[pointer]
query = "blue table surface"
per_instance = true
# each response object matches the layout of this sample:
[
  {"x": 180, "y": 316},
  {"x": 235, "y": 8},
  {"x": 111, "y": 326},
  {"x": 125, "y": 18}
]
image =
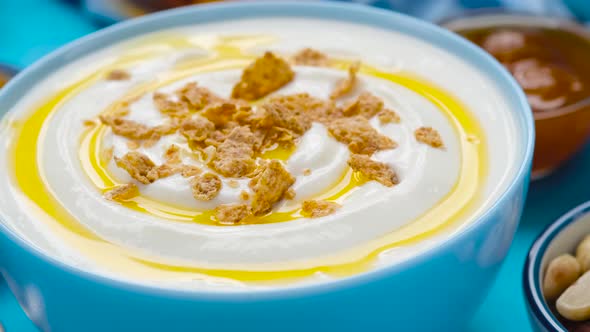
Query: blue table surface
[{"x": 31, "y": 28}]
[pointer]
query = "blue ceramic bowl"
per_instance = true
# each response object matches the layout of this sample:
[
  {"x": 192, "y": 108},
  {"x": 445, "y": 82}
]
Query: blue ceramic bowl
[
  {"x": 560, "y": 237},
  {"x": 438, "y": 290}
]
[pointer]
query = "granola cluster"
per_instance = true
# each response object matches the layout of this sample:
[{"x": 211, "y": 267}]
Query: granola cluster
[
  {"x": 144, "y": 170},
  {"x": 232, "y": 133}
]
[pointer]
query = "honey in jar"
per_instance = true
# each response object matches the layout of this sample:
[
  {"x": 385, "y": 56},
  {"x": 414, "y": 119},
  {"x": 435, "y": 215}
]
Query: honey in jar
[{"x": 549, "y": 60}]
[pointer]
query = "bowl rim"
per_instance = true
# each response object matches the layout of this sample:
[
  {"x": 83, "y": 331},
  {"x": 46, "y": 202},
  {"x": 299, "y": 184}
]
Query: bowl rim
[
  {"x": 499, "y": 18},
  {"x": 329, "y": 10},
  {"x": 532, "y": 267}
]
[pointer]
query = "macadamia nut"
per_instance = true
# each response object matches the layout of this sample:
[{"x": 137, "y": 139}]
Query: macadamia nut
[
  {"x": 583, "y": 254},
  {"x": 561, "y": 273},
  {"x": 574, "y": 303}
]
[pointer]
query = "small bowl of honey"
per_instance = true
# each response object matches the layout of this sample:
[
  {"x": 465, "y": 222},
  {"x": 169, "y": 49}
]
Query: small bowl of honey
[
  {"x": 6, "y": 72},
  {"x": 548, "y": 57}
]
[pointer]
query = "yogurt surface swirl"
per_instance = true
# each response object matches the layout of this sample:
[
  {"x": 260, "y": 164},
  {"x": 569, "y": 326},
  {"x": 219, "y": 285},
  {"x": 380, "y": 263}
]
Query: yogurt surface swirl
[{"x": 411, "y": 77}]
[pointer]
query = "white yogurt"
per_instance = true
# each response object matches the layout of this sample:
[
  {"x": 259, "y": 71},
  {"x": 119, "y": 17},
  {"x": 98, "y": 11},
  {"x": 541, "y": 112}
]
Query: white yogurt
[
  {"x": 317, "y": 150},
  {"x": 372, "y": 211}
]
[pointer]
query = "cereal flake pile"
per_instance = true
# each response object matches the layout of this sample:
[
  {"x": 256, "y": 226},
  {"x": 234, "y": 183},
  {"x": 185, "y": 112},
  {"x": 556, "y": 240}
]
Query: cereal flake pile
[{"x": 234, "y": 134}]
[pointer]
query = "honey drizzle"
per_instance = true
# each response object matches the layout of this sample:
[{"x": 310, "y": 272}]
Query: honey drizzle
[{"x": 447, "y": 216}]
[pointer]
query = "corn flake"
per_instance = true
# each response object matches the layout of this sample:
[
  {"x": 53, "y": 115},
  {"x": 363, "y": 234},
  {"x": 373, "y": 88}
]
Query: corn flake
[
  {"x": 269, "y": 186},
  {"x": 122, "y": 192},
  {"x": 366, "y": 105},
  {"x": 429, "y": 136},
  {"x": 172, "y": 154},
  {"x": 137, "y": 165},
  {"x": 232, "y": 213},
  {"x": 169, "y": 107},
  {"x": 118, "y": 75},
  {"x": 198, "y": 97},
  {"x": 359, "y": 135},
  {"x": 388, "y": 116},
  {"x": 316, "y": 209},
  {"x": 188, "y": 171},
  {"x": 220, "y": 114},
  {"x": 310, "y": 57},
  {"x": 196, "y": 130},
  {"x": 235, "y": 155},
  {"x": 265, "y": 75},
  {"x": 373, "y": 170},
  {"x": 346, "y": 85}
]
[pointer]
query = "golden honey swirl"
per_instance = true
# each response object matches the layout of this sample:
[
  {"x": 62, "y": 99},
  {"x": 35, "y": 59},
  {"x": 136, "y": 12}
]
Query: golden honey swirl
[{"x": 448, "y": 215}]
